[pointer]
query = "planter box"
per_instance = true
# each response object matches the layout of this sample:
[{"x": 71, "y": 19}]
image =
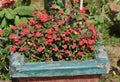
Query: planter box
[{"x": 63, "y": 71}]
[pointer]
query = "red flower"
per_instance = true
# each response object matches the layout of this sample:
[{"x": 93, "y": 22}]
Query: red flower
[
  {"x": 67, "y": 39},
  {"x": 49, "y": 36},
  {"x": 62, "y": 11},
  {"x": 74, "y": 46},
  {"x": 38, "y": 34},
  {"x": 22, "y": 49},
  {"x": 65, "y": 46},
  {"x": 32, "y": 21},
  {"x": 12, "y": 36},
  {"x": 51, "y": 17},
  {"x": 79, "y": 30},
  {"x": 58, "y": 39},
  {"x": 76, "y": 1},
  {"x": 92, "y": 27},
  {"x": 60, "y": 56},
  {"x": 49, "y": 31},
  {"x": 71, "y": 30},
  {"x": 31, "y": 35},
  {"x": 62, "y": 50},
  {"x": 16, "y": 39},
  {"x": 68, "y": 53},
  {"x": 14, "y": 27},
  {"x": 34, "y": 45},
  {"x": 46, "y": 54},
  {"x": 81, "y": 42},
  {"x": 70, "y": 6},
  {"x": 79, "y": 54},
  {"x": 21, "y": 24},
  {"x": 25, "y": 31},
  {"x": 99, "y": 35},
  {"x": 49, "y": 42},
  {"x": 91, "y": 48},
  {"x": 90, "y": 42},
  {"x": 1, "y": 31},
  {"x": 74, "y": 41},
  {"x": 43, "y": 17},
  {"x": 56, "y": 28},
  {"x": 62, "y": 34},
  {"x": 21, "y": 41},
  {"x": 66, "y": 18},
  {"x": 35, "y": 13},
  {"x": 71, "y": 15},
  {"x": 13, "y": 48},
  {"x": 33, "y": 55},
  {"x": 54, "y": 36},
  {"x": 53, "y": 6},
  {"x": 55, "y": 49},
  {"x": 83, "y": 47},
  {"x": 83, "y": 10},
  {"x": 86, "y": 23},
  {"x": 79, "y": 22},
  {"x": 38, "y": 26},
  {"x": 60, "y": 22},
  {"x": 40, "y": 49}
]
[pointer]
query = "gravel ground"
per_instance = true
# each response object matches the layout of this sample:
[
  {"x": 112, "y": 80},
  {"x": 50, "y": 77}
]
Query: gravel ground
[{"x": 114, "y": 54}]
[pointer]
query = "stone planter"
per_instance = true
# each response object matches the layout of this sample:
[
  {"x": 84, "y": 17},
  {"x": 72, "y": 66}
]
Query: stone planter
[{"x": 65, "y": 71}]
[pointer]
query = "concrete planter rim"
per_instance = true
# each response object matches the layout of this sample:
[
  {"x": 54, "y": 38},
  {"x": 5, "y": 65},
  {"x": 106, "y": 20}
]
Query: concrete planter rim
[{"x": 99, "y": 65}]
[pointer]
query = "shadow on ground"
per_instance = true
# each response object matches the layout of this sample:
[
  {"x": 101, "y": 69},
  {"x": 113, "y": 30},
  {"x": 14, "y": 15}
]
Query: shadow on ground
[{"x": 115, "y": 30}]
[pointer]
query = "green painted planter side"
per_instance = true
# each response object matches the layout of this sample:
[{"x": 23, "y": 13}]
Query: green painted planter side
[{"x": 99, "y": 65}]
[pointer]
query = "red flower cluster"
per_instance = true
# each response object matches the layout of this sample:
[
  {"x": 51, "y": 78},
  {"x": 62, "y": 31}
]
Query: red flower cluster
[
  {"x": 55, "y": 36},
  {"x": 6, "y": 3},
  {"x": 1, "y": 31},
  {"x": 76, "y": 1}
]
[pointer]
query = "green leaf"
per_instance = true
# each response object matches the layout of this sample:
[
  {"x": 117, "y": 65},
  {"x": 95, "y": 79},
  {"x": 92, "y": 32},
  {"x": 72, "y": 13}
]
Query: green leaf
[
  {"x": 59, "y": 3},
  {"x": 67, "y": 11},
  {"x": 99, "y": 18},
  {"x": 74, "y": 37},
  {"x": 117, "y": 18},
  {"x": 23, "y": 19},
  {"x": 9, "y": 13},
  {"x": 103, "y": 1},
  {"x": 106, "y": 8},
  {"x": 24, "y": 10},
  {"x": 93, "y": 9},
  {"x": 2, "y": 13},
  {"x": 17, "y": 20},
  {"x": 78, "y": 17},
  {"x": 92, "y": 21},
  {"x": 4, "y": 23}
]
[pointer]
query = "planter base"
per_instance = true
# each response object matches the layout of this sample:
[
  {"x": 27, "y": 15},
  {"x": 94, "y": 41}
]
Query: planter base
[{"x": 81, "y": 78}]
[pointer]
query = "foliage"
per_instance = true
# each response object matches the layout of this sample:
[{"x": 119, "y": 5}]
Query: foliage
[
  {"x": 14, "y": 16},
  {"x": 9, "y": 15},
  {"x": 117, "y": 17},
  {"x": 4, "y": 54}
]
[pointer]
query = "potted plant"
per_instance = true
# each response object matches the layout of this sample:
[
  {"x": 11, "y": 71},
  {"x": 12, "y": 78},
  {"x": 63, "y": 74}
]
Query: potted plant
[{"x": 60, "y": 44}]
